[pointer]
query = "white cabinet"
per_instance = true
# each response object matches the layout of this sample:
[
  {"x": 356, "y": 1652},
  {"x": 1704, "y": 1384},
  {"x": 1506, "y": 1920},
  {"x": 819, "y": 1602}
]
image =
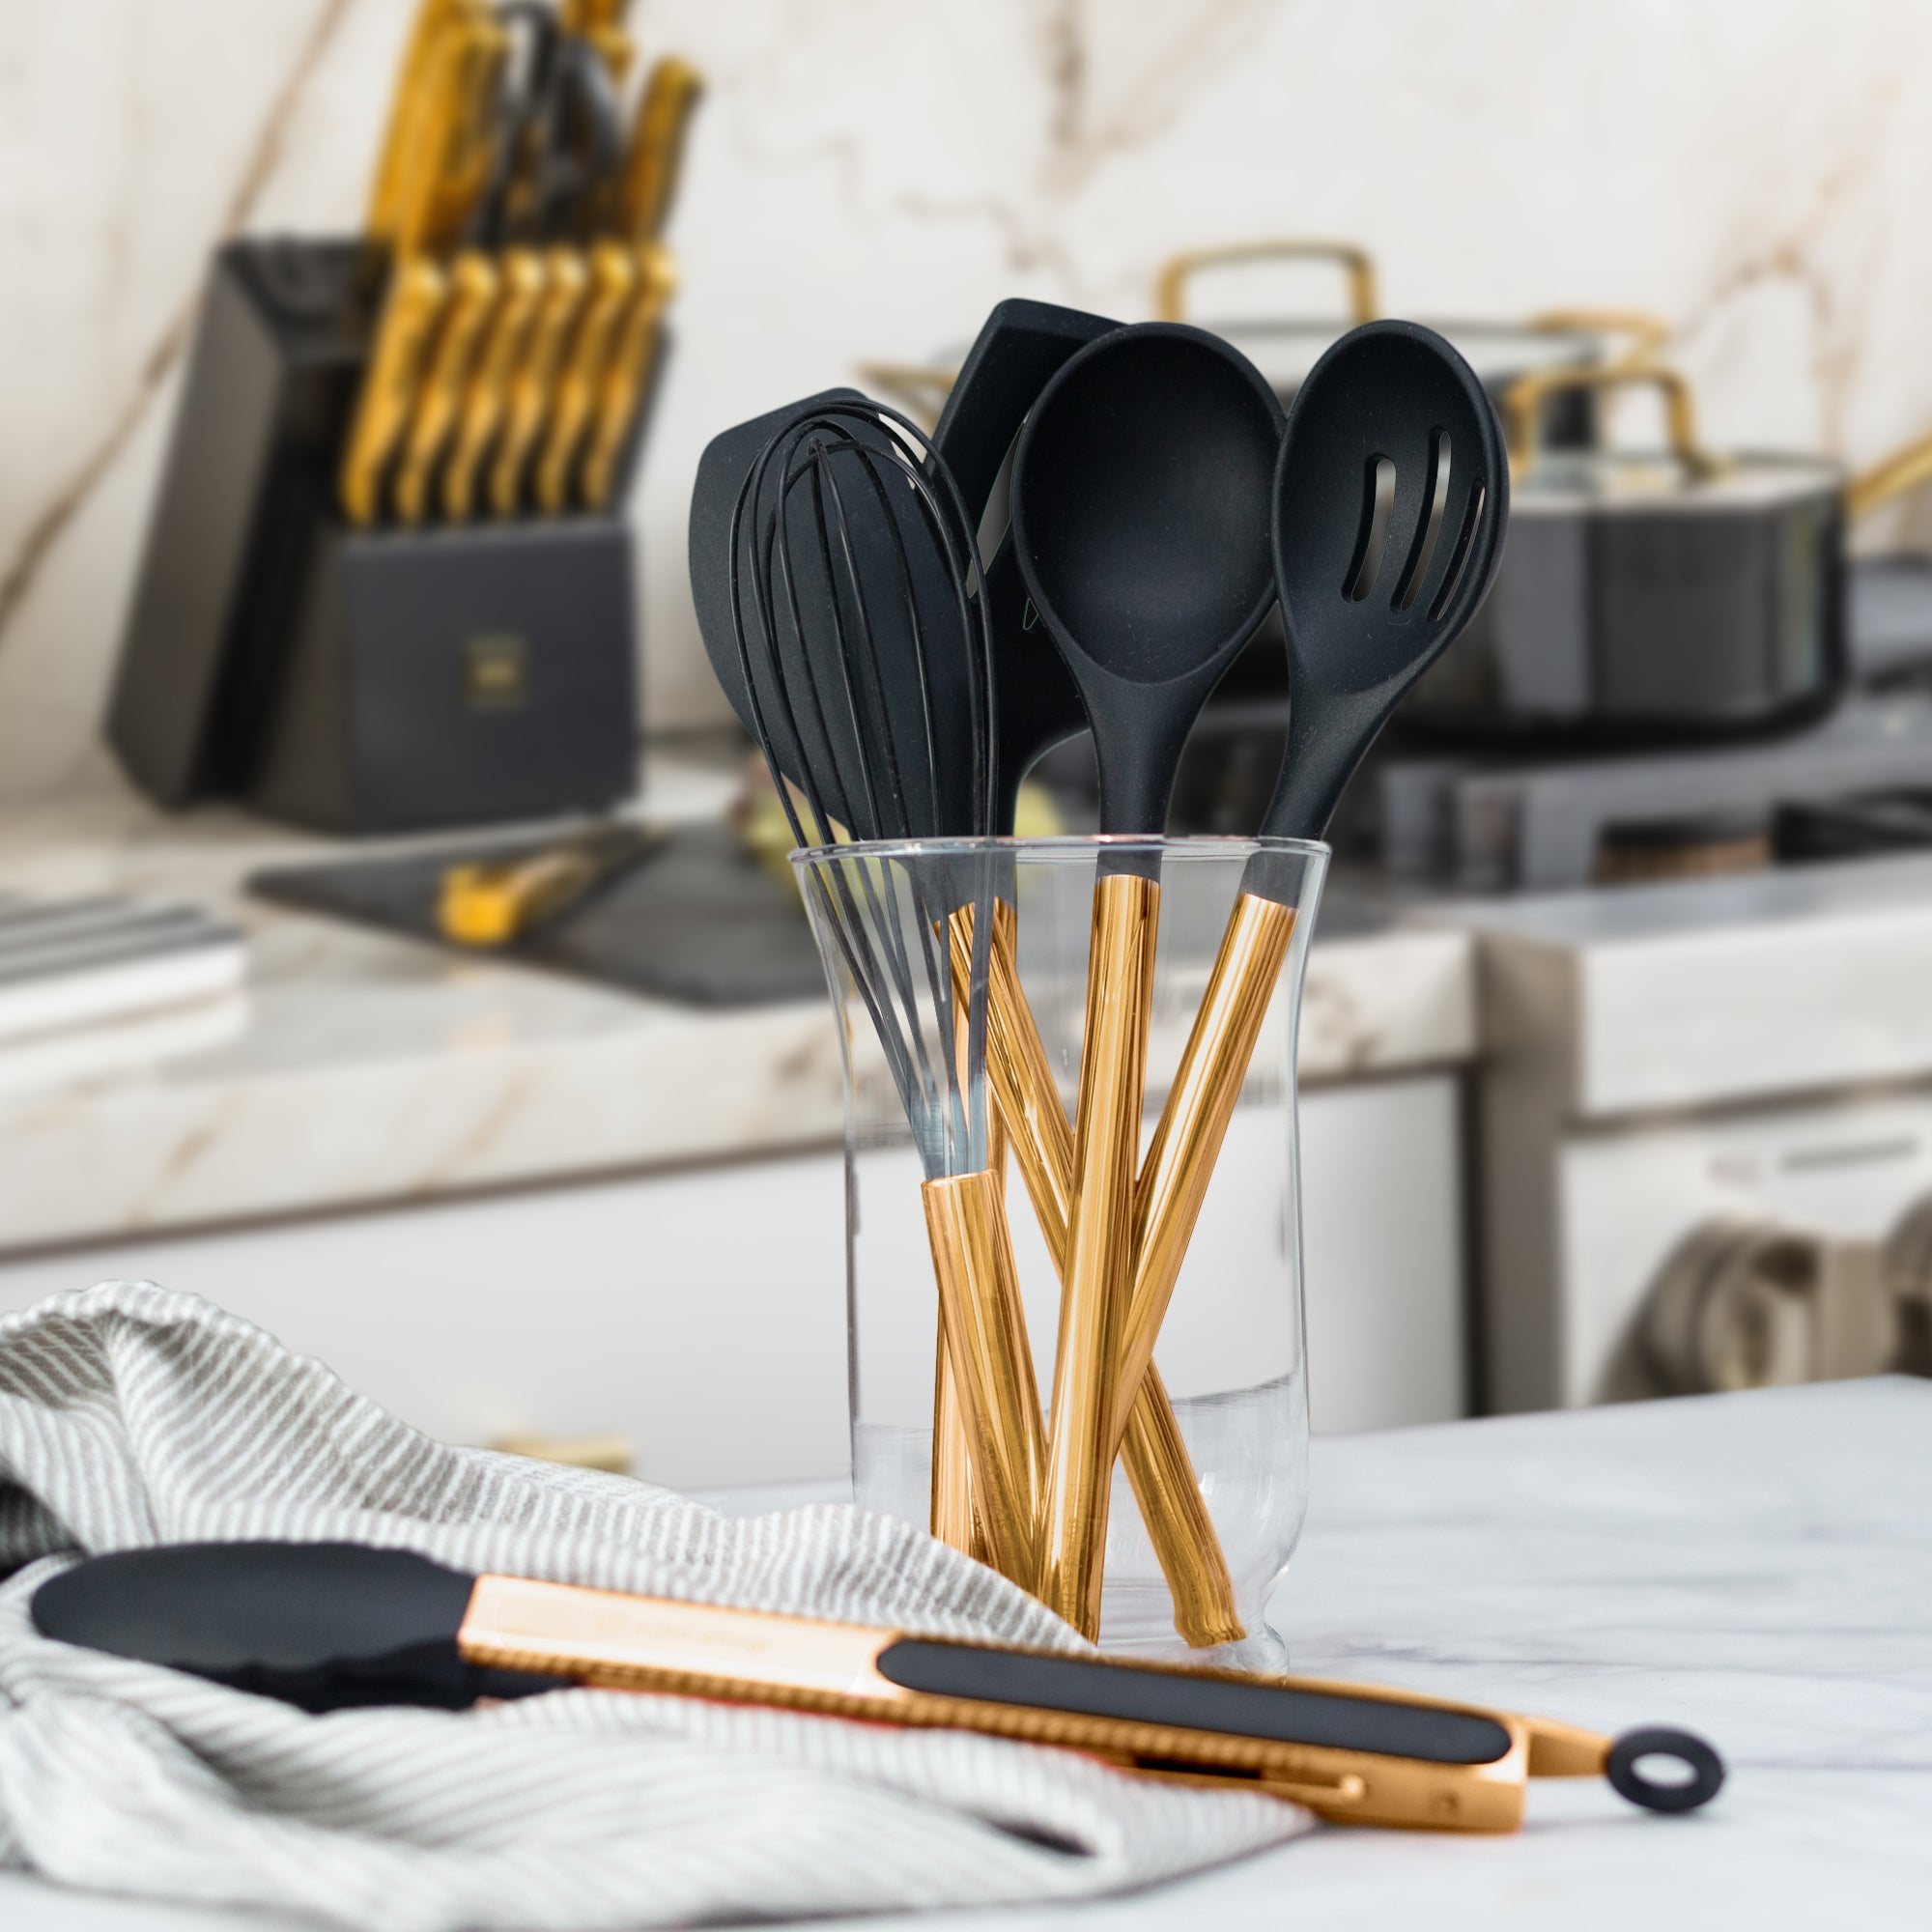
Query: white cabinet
[{"x": 702, "y": 1313}]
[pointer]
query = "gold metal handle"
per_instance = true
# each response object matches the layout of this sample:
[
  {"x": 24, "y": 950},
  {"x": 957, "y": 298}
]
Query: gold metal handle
[
  {"x": 533, "y": 383},
  {"x": 417, "y": 291},
  {"x": 1648, "y": 333},
  {"x": 1524, "y": 400},
  {"x": 612, "y": 281},
  {"x": 1099, "y": 1247},
  {"x": 1170, "y": 287},
  {"x": 487, "y": 394},
  {"x": 627, "y": 374},
  {"x": 922, "y": 387},
  {"x": 1903, "y": 470},
  {"x": 1193, "y": 1123},
  {"x": 671, "y": 94},
  {"x": 1026, "y": 1101},
  {"x": 399, "y": 158},
  {"x": 984, "y": 1323},
  {"x": 446, "y": 165},
  {"x": 474, "y": 284}
]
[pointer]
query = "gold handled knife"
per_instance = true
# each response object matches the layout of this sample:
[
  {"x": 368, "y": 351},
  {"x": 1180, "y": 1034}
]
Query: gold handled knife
[
  {"x": 625, "y": 388},
  {"x": 397, "y": 162},
  {"x": 656, "y": 154},
  {"x": 486, "y": 396},
  {"x": 600, "y": 23},
  {"x": 417, "y": 292},
  {"x": 613, "y": 277},
  {"x": 452, "y": 134},
  {"x": 533, "y": 379},
  {"x": 473, "y": 285}
]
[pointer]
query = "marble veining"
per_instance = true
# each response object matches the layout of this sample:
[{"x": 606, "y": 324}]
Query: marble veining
[
  {"x": 1757, "y": 1568},
  {"x": 866, "y": 180}
]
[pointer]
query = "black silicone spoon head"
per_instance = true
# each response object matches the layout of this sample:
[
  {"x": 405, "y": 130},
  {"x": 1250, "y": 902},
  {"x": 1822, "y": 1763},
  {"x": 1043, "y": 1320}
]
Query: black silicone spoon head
[
  {"x": 1140, "y": 519},
  {"x": 1022, "y": 346},
  {"x": 324, "y": 1626},
  {"x": 1390, "y": 503}
]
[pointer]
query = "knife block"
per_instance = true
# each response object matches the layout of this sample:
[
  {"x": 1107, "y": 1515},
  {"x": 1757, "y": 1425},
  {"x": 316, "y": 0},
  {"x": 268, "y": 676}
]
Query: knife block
[
  {"x": 356, "y": 680},
  {"x": 454, "y": 676}
]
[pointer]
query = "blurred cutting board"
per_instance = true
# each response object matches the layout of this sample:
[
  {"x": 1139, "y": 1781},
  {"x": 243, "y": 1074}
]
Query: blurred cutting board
[{"x": 699, "y": 920}]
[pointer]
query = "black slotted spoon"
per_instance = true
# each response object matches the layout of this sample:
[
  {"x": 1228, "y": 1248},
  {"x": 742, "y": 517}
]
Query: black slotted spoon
[{"x": 1391, "y": 499}]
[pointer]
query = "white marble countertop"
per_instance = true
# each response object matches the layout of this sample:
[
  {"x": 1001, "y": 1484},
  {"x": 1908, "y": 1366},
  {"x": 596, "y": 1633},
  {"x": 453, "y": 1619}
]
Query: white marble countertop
[
  {"x": 366, "y": 1070},
  {"x": 1757, "y": 1568}
]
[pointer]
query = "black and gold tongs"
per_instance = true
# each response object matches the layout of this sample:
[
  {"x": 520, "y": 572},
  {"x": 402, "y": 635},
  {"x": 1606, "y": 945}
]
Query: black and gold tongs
[{"x": 328, "y": 1624}]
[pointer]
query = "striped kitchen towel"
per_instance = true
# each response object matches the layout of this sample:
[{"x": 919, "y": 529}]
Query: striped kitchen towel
[{"x": 130, "y": 1416}]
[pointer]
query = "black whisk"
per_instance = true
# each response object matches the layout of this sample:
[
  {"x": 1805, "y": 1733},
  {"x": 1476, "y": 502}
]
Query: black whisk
[{"x": 867, "y": 666}]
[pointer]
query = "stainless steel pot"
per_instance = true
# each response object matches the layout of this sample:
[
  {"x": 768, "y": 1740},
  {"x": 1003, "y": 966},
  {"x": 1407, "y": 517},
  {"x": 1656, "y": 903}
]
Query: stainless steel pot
[
  {"x": 1500, "y": 353},
  {"x": 1653, "y": 598}
]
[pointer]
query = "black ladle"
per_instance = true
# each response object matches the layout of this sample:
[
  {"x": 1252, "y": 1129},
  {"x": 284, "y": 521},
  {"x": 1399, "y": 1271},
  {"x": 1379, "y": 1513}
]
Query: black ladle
[
  {"x": 1390, "y": 503},
  {"x": 1139, "y": 505},
  {"x": 1140, "y": 524}
]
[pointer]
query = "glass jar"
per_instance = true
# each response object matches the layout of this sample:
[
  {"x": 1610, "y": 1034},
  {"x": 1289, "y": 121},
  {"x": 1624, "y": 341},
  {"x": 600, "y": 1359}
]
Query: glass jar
[{"x": 965, "y": 971}]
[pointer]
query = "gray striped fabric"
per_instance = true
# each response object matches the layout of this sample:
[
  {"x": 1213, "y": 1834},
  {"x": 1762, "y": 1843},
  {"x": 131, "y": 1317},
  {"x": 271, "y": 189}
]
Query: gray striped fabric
[{"x": 131, "y": 1415}]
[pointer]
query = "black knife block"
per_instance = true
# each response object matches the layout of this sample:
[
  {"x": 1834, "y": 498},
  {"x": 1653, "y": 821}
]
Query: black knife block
[
  {"x": 455, "y": 676},
  {"x": 356, "y": 680}
]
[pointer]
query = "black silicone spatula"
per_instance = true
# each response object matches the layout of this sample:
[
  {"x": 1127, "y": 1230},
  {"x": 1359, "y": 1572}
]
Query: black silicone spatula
[
  {"x": 1390, "y": 502},
  {"x": 328, "y": 1625},
  {"x": 1020, "y": 349}
]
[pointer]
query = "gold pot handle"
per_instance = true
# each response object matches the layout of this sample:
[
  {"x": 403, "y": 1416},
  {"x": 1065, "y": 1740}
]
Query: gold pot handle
[
  {"x": 1902, "y": 470},
  {"x": 1648, "y": 333},
  {"x": 1170, "y": 283},
  {"x": 1524, "y": 399},
  {"x": 922, "y": 387}
]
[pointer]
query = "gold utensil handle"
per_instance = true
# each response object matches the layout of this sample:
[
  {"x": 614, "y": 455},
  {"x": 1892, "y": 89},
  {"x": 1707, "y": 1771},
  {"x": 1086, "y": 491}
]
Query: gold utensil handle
[
  {"x": 533, "y": 382},
  {"x": 1524, "y": 399},
  {"x": 1026, "y": 1101},
  {"x": 1648, "y": 333},
  {"x": 952, "y": 1508},
  {"x": 473, "y": 286},
  {"x": 1170, "y": 288},
  {"x": 921, "y": 386},
  {"x": 655, "y": 160},
  {"x": 486, "y": 396},
  {"x": 1193, "y": 1123},
  {"x": 399, "y": 157},
  {"x": 1100, "y": 1248},
  {"x": 627, "y": 374},
  {"x": 446, "y": 166},
  {"x": 417, "y": 292},
  {"x": 1902, "y": 470},
  {"x": 952, "y": 1518},
  {"x": 613, "y": 280},
  {"x": 883, "y": 1676},
  {"x": 984, "y": 1321}
]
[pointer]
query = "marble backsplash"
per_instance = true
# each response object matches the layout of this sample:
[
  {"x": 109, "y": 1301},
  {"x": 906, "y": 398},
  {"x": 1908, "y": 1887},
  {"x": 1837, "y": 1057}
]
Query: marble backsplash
[{"x": 867, "y": 176}]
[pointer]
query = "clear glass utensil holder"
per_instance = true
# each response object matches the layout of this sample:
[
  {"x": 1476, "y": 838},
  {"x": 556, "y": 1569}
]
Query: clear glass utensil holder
[{"x": 963, "y": 1065}]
